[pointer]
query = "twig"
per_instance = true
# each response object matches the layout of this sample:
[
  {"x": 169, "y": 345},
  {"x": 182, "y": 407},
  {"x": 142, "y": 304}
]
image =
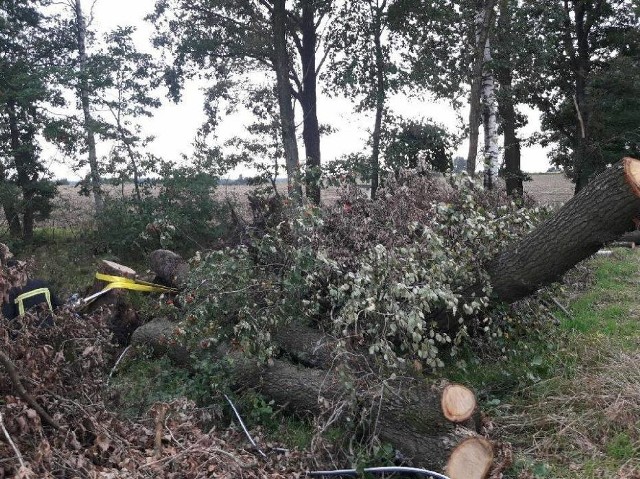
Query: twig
[
  {"x": 23, "y": 393},
  {"x": 120, "y": 358},
  {"x": 11, "y": 443},
  {"x": 562, "y": 308},
  {"x": 244, "y": 428},
  {"x": 161, "y": 412}
]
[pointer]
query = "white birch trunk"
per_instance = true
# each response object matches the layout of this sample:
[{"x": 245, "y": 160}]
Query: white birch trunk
[{"x": 491, "y": 153}]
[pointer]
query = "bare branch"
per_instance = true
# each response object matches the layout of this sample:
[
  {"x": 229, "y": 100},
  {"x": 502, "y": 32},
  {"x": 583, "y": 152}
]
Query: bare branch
[
  {"x": 11, "y": 443},
  {"x": 23, "y": 393}
]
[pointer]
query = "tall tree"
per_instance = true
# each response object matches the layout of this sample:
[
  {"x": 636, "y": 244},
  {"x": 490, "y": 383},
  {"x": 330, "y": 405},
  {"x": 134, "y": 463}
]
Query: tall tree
[
  {"x": 83, "y": 89},
  {"x": 281, "y": 66},
  {"x": 126, "y": 94},
  {"x": 26, "y": 87},
  {"x": 306, "y": 20},
  {"x": 484, "y": 25},
  {"x": 592, "y": 33},
  {"x": 361, "y": 65},
  {"x": 226, "y": 40},
  {"x": 508, "y": 58},
  {"x": 481, "y": 86}
]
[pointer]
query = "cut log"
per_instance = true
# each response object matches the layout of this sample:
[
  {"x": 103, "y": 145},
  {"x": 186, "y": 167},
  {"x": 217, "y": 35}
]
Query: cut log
[
  {"x": 471, "y": 459},
  {"x": 169, "y": 267},
  {"x": 116, "y": 269},
  {"x": 600, "y": 213},
  {"x": 157, "y": 336},
  {"x": 407, "y": 413},
  {"x": 458, "y": 403}
]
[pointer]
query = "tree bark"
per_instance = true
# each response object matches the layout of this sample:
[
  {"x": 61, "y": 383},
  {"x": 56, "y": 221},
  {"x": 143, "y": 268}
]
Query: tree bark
[
  {"x": 600, "y": 213},
  {"x": 89, "y": 123},
  {"x": 482, "y": 28},
  {"x": 489, "y": 116},
  {"x": 309, "y": 103},
  {"x": 512, "y": 172},
  {"x": 307, "y": 346},
  {"x": 506, "y": 106},
  {"x": 380, "y": 96},
  {"x": 172, "y": 270},
  {"x": 287, "y": 121}
]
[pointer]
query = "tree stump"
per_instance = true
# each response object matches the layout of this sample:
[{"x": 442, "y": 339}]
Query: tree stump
[{"x": 122, "y": 319}]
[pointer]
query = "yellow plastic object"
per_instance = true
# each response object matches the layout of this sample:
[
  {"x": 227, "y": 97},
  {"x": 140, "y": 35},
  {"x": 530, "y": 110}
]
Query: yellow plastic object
[
  {"x": 120, "y": 282},
  {"x": 29, "y": 294}
]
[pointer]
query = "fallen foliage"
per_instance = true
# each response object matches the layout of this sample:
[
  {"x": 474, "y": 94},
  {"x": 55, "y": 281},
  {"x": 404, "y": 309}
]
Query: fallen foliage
[{"x": 65, "y": 368}]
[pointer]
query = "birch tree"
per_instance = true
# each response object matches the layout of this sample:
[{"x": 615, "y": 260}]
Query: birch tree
[
  {"x": 488, "y": 97},
  {"x": 482, "y": 91},
  {"x": 445, "y": 46}
]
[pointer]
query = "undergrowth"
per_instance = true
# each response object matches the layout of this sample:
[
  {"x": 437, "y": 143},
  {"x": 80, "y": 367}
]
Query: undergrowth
[{"x": 567, "y": 397}]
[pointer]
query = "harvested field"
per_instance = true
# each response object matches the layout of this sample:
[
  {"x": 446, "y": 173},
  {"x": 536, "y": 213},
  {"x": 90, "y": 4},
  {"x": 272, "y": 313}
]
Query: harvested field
[
  {"x": 73, "y": 210},
  {"x": 549, "y": 188}
]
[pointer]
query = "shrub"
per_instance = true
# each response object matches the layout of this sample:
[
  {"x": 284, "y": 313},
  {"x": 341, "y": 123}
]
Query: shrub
[{"x": 179, "y": 213}]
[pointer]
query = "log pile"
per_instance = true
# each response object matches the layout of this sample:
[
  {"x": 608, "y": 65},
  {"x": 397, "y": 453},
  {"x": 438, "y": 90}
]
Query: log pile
[{"x": 425, "y": 421}]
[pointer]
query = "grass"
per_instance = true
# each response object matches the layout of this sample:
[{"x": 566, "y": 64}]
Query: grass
[{"x": 569, "y": 402}]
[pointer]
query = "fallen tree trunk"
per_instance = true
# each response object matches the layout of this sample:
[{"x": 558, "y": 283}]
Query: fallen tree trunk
[
  {"x": 600, "y": 213},
  {"x": 424, "y": 421},
  {"x": 407, "y": 413}
]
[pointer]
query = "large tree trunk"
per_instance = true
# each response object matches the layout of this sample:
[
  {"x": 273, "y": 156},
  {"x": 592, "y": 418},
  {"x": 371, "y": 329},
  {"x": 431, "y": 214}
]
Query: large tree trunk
[
  {"x": 380, "y": 94},
  {"x": 489, "y": 118},
  {"x": 309, "y": 103},
  {"x": 506, "y": 103},
  {"x": 600, "y": 213},
  {"x": 287, "y": 121}
]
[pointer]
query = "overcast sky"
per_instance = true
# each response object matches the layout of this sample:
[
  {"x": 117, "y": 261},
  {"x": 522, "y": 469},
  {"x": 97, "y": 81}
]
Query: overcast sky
[{"x": 175, "y": 125}]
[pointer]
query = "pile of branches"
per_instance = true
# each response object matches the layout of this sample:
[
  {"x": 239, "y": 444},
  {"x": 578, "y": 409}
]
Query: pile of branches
[{"x": 56, "y": 421}]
